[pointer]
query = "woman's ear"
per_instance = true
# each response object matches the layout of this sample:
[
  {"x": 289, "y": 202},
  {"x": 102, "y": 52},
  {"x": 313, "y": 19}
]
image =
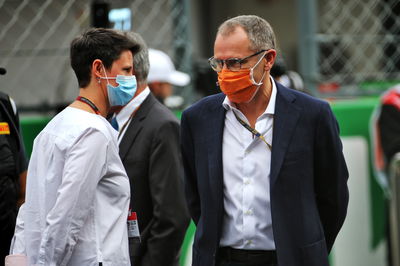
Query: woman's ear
[{"x": 98, "y": 68}]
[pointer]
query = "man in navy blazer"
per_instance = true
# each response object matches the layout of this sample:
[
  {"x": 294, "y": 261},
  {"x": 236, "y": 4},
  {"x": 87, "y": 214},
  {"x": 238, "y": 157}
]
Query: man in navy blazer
[{"x": 265, "y": 176}]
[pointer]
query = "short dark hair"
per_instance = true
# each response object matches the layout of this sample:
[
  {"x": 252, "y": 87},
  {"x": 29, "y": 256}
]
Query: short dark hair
[{"x": 97, "y": 43}]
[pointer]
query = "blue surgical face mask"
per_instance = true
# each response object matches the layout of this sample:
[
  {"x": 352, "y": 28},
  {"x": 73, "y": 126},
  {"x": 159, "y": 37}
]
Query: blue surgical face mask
[{"x": 124, "y": 92}]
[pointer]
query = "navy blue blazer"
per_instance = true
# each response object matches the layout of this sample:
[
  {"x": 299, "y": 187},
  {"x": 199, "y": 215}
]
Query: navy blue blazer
[{"x": 308, "y": 180}]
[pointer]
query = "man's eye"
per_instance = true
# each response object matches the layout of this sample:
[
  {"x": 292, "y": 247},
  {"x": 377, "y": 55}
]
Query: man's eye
[{"x": 233, "y": 62}]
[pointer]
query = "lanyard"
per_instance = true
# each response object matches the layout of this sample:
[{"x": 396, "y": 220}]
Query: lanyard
[
  {"x": 127, "y": 121},
  {"x": 88, "y": 102},
  {"x": 252, "y": 130}
]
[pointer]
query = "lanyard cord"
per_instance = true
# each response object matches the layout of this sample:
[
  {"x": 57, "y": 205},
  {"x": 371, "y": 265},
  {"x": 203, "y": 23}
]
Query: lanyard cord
[
  {"x": 252, "y": 130},
  {"x": 127, "y": 121},
  {"x": 88, "y": 102}
]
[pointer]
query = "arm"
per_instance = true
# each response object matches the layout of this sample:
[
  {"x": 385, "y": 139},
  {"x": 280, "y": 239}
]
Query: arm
[
  {"x": 23, "y": 165},
  {"x": 188, "y": 158},
  {"x": 22, "y": 184},
  {"x": 84, "y": 166},
  {"x": 22, "y": 160},
  {"x": 330, "y": 175},
  {"x": 17, "y": 245},
  {"x": 170, "y": 215}
]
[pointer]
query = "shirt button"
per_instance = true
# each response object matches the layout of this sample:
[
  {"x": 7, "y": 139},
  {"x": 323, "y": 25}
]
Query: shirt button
[
  {"x": 247, "y": 182},
  {"x": 249, "y": 242},
  {"x": 249, "y": 212}
]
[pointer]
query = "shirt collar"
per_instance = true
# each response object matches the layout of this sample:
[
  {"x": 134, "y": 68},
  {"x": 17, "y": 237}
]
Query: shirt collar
[
  {"x": 227, "y": 104},
  {"x": 125, "y": 113}
]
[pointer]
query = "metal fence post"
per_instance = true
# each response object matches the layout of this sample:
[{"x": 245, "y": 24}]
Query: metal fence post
[{"x": 308, "y": 46}]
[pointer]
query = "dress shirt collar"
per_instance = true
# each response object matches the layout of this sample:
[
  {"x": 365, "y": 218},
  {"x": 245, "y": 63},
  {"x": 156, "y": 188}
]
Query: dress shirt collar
[
  {"x": 125, "y": 113},
  {"x": 227, "y": 104}
]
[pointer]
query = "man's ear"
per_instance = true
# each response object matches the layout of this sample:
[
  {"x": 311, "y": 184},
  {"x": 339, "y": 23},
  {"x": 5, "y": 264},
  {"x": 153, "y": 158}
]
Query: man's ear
[
  {"x": 270, "y": 59},
  {"x": 154, "y": 86}
]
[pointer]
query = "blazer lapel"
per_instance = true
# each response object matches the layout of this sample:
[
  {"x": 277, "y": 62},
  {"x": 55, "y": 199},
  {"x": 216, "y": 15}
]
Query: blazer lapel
[
  {"x": 135, "y": 126},
  {"x": 285, "y": 120},
  {"x": 215, "y": 127}
]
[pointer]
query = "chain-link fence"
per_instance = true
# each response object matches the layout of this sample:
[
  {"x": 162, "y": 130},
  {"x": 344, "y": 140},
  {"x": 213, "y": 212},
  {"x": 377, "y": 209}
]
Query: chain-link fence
[
  {"x": 350, "y": 46},
  {"x": 35, "y": 36}
]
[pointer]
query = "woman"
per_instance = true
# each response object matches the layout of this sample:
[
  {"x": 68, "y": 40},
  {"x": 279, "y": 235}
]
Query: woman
[{"x": 78, "y": 193}]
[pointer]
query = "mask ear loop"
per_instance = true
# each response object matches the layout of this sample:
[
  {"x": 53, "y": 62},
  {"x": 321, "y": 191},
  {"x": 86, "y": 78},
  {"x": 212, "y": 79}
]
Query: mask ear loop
[
  {"x": 105, "y": 73},
  {"x": 251, "y": 72},
  {"x": 106, "y": 78}
]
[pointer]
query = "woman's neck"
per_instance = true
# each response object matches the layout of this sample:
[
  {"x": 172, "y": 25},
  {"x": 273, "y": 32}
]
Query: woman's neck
[{"x": 97, "y": 98}]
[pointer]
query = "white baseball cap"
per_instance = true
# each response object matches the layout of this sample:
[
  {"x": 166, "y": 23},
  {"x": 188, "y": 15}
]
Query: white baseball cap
[{"x": 162, "y": 69}]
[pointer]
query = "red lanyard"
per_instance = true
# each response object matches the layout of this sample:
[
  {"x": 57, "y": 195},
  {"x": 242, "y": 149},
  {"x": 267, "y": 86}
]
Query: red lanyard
[{"x": 88, "y": 102}]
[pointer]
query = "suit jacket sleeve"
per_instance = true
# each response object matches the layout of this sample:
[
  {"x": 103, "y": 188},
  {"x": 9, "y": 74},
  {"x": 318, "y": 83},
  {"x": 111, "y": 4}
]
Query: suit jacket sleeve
[
  {"x": 191, "y": 189},
  {"x": 330, "y": 176},
  {"x": 169, "y": 224}
]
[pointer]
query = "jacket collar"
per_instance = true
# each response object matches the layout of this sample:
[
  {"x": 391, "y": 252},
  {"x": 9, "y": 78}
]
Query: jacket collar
[{"x": 136, "y": 125}]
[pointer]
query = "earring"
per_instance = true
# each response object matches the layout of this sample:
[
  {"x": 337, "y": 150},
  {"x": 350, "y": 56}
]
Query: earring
[{"x": 98, "y": 80}]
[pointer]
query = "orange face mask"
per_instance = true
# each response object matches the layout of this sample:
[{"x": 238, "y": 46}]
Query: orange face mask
[{"x": 239, "y": 86}]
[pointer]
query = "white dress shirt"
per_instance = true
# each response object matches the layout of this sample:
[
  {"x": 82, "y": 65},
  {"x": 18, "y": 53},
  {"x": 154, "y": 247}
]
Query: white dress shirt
[
  {"x": 124, "y": 117},
  {"x": 246, "y": 174},
  {"x": 77, "y": 195}
]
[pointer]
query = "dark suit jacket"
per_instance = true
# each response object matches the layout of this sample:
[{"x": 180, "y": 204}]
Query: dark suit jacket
[
  {"x": 308, "y": 189},
  {"x": 150, "y": 153}
]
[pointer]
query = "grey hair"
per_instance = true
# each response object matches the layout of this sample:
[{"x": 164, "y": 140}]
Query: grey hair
[
  {"x": 259, "y": 31},
  {"x": 141, "y": 62}
]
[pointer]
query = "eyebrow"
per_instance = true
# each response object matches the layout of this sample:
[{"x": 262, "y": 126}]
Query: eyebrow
[{"x": 237, "y": 58}]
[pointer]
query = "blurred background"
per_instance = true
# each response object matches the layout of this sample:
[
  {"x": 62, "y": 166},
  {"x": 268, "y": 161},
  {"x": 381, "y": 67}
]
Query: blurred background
[
  {"x": 345, "y": 51},
  {"x": 340, "y": 47}
]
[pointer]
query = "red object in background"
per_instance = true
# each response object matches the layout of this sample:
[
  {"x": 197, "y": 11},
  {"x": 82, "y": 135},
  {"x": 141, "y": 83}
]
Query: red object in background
[
  {"x": 328, "y": 87},
  {"x": 392, "y": 97}
]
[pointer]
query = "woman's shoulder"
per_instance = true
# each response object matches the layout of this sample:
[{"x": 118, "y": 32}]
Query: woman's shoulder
[{"x": 72, "y": 123}]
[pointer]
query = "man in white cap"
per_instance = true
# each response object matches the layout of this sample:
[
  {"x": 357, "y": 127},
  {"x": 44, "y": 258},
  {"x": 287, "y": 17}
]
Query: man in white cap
[{"x": 163, "y": 75}]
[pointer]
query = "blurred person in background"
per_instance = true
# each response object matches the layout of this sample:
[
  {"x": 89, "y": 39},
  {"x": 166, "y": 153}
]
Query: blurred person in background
[
  {"x": 389, "y": 123},
  {"x": 77, "y": 194},
  {"x": 13, "y": 164},
  {"x": 163, "y": 76},
  {"x": 265, "y": 175},
  {"x": 386, "y": 139},
  {"x": 287, "y": 78},
  {"x": 149, "y": 148}
]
